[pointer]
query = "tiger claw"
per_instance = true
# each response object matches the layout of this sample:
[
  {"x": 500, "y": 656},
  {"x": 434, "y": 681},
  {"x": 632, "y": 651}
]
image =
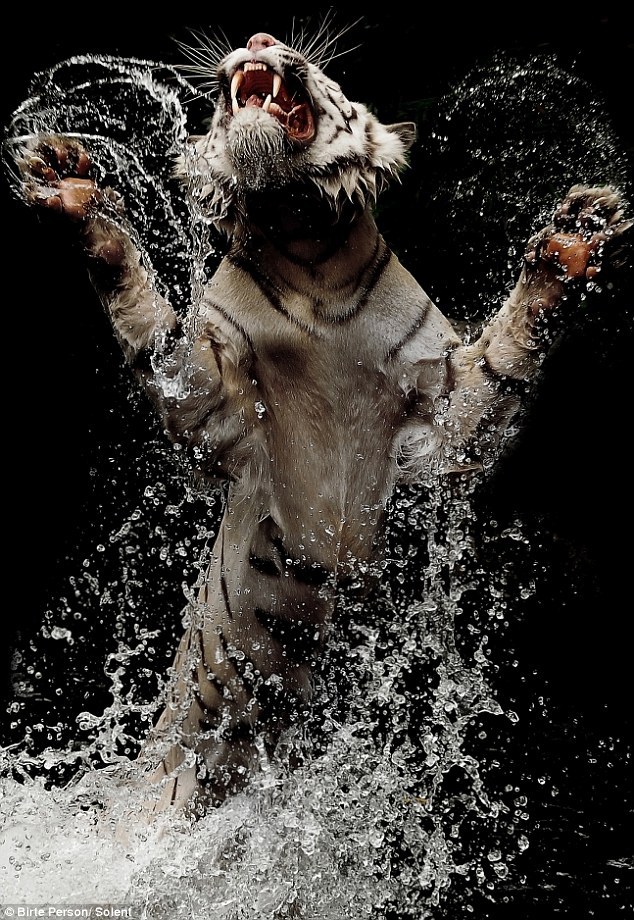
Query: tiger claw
[
  {"x": 572, "y": 254},
  {"x": 57, "y": 177},
  {"x": 41, "y": 168},
  {"x": 75, "y": 198},
  {"x": 583, "y": 225}
]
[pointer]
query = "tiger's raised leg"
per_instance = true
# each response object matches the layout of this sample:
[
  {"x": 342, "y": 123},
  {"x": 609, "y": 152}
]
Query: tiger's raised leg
[
  {"x": 58, "y": 178},
  {"x": 488, "y": 380},
  {"x": 211, "y": 417}
]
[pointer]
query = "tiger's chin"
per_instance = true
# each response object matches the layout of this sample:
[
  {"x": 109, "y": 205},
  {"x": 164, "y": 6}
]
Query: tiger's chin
[{"x": 259, "y": 149}]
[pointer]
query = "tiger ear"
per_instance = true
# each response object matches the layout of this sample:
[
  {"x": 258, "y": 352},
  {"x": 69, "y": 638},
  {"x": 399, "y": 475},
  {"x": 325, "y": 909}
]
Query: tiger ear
[
  {"x": 405, "y": 131},
  {"x": 388, "y": 146}
]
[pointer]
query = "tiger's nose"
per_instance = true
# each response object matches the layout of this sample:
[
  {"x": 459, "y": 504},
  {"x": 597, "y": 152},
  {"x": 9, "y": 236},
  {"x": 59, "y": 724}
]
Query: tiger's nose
[{"x": 261, "y": 40}]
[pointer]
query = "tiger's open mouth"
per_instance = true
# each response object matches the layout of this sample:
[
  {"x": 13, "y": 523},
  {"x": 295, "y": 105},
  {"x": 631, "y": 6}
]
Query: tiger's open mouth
[{"x": 255, "y": 84}]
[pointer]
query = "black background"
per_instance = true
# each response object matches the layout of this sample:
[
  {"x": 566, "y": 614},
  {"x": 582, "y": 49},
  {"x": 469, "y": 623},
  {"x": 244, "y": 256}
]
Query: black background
[{"x": 67, "y": 413}]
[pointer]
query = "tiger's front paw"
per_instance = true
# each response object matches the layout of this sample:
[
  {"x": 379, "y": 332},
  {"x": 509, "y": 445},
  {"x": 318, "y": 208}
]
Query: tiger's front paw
[
  {"x": 57, "y": 174},
  {"x": 585, "y": 223}
]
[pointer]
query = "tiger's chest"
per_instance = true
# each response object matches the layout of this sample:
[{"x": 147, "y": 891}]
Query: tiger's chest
[
  {"x": 328, "y": 425},
  {"x": 326, "y": 395}
]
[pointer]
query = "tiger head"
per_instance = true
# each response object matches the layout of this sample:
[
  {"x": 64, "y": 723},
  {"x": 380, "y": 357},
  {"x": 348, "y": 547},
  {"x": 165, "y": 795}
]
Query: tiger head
[{"x": 279, "y": 121}]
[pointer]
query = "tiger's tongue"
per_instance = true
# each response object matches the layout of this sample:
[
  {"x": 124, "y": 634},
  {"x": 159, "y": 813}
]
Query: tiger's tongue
[{"x": 298, "y": 120}]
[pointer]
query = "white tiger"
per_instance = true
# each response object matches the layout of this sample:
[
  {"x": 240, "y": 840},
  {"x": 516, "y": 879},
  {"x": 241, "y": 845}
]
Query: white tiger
[{"x": 315, "y": 375}]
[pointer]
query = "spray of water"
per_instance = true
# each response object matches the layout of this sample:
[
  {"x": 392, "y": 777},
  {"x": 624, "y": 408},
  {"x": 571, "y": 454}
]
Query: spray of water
[{"x": 380, "y": 804}]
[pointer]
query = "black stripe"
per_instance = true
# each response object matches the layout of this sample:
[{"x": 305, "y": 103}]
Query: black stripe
[
  {"x": 215, "y": 347},
  {"x": 335, "y": 104},
  {"x": 225, "y": 595},
  {"x": 335, "y": 246},
  {"x": 230, "y": 657},
  {"x": 309, "y": 574},
  {"x": 211, "y": 678},
  {"x": 209, "y": 672},
  {"x": 232, "y": 322},
  {"x": 264, "y": 566},
  {"x": 204, "y": 721},
  {"x": 409, "y": 335},
  {"x": 270, "y": 291},
  {"x": 377, "y": 271},
  {"x": 379, "y": 261},
  {"x": 225, "y": 648},
  {"x": 223, "y": 580}
]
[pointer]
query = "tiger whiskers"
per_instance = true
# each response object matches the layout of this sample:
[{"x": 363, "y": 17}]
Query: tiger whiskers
[
  {"x": 205, "y": 53},
  {"x": 320, "y": 47}
]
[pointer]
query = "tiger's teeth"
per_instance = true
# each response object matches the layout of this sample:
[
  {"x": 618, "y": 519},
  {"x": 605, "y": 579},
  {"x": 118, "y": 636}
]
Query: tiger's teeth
[
  {"x": 267, "y": 103},
  {"x": 277, "y": 84},
  {"x": 236, "y": 83}
]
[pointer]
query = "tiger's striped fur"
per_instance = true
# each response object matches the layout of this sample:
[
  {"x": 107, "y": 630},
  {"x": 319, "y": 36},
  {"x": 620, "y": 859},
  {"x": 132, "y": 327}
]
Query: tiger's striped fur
[{"x": 314, "y": 376}]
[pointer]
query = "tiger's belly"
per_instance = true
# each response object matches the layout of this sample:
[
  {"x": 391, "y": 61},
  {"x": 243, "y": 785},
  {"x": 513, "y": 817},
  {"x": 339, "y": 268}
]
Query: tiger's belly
[
  {"x": 286, "y": 545},
  {"x": 329, "y": 431}
]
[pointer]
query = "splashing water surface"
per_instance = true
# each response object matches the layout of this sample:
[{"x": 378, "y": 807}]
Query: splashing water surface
[{"x": 396, "y": 804}]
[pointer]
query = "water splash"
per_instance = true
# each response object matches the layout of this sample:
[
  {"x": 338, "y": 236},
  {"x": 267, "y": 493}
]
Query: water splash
[
  {"x": 373, "y": 819},
  {"x": 498, "y": 150},
  {"x": 393, "y": 806}
]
